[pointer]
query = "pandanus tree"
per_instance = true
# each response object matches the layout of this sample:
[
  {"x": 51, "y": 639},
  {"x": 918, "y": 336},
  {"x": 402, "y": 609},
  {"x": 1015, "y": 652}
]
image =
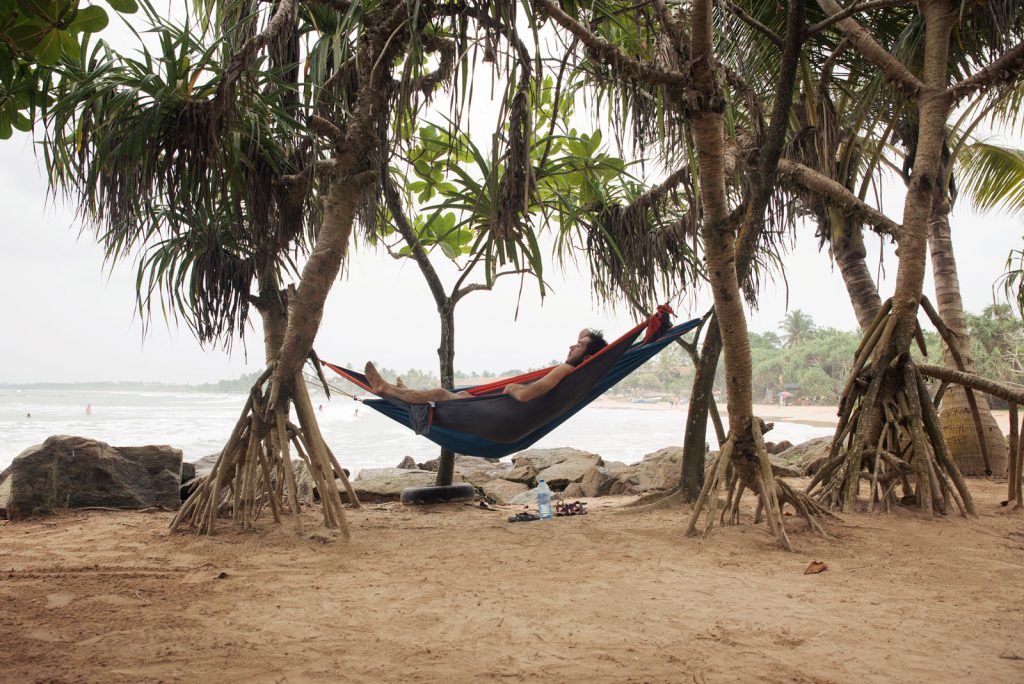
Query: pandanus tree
[
  {"x": 885, "y": 409},
  {"x": 344, "y": 75}
]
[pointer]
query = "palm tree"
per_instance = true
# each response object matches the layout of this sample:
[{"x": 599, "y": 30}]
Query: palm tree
[{"x": 796, "y": 327}]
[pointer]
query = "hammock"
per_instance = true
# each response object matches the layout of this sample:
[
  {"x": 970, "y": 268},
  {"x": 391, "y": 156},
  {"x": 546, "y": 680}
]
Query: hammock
[{"x": 491, "y": 424}]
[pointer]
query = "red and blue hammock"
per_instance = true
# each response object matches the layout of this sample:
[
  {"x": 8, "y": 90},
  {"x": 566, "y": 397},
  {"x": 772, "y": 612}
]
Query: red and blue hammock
[{"x": 491, "y": 424}]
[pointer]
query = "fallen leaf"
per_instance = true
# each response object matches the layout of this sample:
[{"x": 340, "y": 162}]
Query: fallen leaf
[
  {"x": 815, "y": 567},
  {"x": 220, "y": 575}
]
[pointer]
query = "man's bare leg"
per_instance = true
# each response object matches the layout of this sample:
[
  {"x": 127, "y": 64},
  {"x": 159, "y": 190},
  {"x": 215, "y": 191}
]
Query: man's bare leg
[{"x": 410, "y": 396}]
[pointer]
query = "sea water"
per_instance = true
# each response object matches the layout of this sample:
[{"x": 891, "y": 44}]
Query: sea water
[{"x": 199, "y": 423}]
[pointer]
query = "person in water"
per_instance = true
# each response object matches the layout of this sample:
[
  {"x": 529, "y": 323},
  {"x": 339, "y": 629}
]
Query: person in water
[{"x": 589, "y": 343}]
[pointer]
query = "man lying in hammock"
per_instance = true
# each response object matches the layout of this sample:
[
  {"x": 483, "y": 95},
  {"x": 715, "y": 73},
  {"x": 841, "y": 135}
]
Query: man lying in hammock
[{"x": 589, "y": 343}]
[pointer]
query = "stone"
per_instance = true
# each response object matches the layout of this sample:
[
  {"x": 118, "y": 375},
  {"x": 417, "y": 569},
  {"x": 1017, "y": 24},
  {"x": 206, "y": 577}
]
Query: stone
[
  {"x": 408, "y": 464},
  {"x": 527, "y": 498},
  {"x": 573, "y": 491},
  {"x": 74, "y": 472},
  {"x": 525, "y": 474},
  {"x": 772, "y": 448},
  {"x": 615, "y": 468},
  {"x": 806, "y": 456},
  {"x": 545, "y": 458},
  {"x": 670, "y": 454},
  {"x": 304, "y": 483},
  {"x": 572, "y": 469},
  {"x": 623, "y": 485},
  {"x": 501, "y": 491},
  {"x": 188, "y": 471},
  {"x": 596, "y": 482},
  {"x": 386, "y": 484},
  {"x": 204, "y": 466}
]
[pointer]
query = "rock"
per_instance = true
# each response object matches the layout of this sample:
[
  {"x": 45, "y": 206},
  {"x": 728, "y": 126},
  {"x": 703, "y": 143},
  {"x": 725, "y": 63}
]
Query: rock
[
  {"x": 623, "y": 485},
  {"x": 572, "y": 469},
  {"x": 805, "y": 456},
  {"x": 188, "y": 472},
  {"x": 72, "y": 472},
  {"x": 772, "y": 448},
  {"x": 501, "y": 491},
  {"x": 203, "y": 466},
  {"x": 785, "y": 471},
  {"x": 408, "y": 464},
  {"x": 545, "y": 458},
  {"x": 596, "y": 482},
  {"x": 430, "y": 465},
  {"x": 386, "y": 484},
  {"x": 527, "y": 498},
  {"x": 615, "y": 468},
  {"x": 304, "y": 482},
  {"x": 671, "y": 454},
  {"x": 525, "y": 474},
  {"x": 573, "y": 491}
]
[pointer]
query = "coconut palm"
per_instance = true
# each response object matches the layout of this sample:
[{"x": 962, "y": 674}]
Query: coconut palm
[{"x": 797, "y": 327}]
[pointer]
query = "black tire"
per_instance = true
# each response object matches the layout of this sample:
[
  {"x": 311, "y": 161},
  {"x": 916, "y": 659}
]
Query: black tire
[{"x": 413, "y": 496}]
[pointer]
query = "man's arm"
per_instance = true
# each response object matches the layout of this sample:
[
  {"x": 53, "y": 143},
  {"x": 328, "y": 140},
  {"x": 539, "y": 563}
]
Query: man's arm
[{"x": 540, "y": 387}]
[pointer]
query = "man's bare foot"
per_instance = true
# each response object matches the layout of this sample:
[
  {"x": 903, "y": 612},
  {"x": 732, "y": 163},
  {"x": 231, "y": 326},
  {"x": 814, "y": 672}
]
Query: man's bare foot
[
  {"x": 400, "y": 384},
  {"x": 377, "y": 383}
]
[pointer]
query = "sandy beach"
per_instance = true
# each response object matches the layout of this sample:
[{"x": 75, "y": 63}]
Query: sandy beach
[{"x": 456, "y": 593}]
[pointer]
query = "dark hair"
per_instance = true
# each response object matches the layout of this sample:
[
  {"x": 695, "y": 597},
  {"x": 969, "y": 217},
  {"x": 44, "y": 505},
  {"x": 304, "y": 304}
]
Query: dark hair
[{"x": 596, "y": 344}]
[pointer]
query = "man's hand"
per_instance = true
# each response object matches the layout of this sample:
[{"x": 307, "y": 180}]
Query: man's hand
[{"x": 515, "y": 390}]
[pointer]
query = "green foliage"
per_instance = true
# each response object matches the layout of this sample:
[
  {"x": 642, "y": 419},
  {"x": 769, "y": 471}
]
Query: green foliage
[
  {"x": 817, "y": 363},
  {"x": 997, "y": 343},
  {"x": 37, "y": 38}
]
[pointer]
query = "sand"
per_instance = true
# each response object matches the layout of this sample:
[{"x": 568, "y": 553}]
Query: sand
[{"x": 456, "y": 593}]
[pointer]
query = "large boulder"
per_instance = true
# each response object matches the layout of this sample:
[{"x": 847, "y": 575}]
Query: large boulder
[
  {"x": 408, "y": 464},
  {"x": 524, "y": 474},
  {"x": 203, "y": 466},
  {"x": 386, "y": 484},
  {"x": 501, "y": 491},
  {"x": 596, "y": 482},
  {"x": 571, "y": 469},
  {"x": 805, "y": 457},
  {"x": 545, "y": 458},
  {"x": 73, "y": 472}
]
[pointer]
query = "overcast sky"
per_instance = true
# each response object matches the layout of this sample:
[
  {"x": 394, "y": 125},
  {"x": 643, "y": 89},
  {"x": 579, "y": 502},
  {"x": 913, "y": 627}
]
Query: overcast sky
[{"x": 68, "y": 317}]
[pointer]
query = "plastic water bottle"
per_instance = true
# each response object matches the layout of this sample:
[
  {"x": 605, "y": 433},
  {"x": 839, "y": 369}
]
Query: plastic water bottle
[{"x": 544, "y": 501}]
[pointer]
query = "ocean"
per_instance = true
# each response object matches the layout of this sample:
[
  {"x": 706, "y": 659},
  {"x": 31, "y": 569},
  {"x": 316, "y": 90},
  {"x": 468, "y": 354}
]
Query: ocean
[{"x": 199, "y": 423}]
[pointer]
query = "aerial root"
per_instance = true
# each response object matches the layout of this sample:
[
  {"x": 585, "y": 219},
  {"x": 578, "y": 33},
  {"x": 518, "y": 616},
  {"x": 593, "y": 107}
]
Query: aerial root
[{"x": 254, "y": 469}]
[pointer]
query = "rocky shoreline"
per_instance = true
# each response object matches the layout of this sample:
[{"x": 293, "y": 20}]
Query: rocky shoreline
[{"x": 66, "y": 472}]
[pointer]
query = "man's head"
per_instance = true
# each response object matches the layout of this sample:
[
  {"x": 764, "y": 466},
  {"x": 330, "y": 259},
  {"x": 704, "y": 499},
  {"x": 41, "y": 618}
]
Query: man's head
[{"x": 589, "y": 343}]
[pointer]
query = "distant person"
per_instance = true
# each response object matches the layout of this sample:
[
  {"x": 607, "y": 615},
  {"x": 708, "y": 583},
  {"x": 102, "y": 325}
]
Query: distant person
[
  {"x": 88, "y": 409},
  {"x": 28, "y": 415},
  {"x": 355, "y": 414},
  {"x": 589, "y": 343},
  {"x": 321, "y": 408}
]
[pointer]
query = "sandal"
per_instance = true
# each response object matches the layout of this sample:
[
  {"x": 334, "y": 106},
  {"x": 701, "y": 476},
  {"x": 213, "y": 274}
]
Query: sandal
[
  {"x": 523, "y": 517},
  {"x": 574, "y": 508}
]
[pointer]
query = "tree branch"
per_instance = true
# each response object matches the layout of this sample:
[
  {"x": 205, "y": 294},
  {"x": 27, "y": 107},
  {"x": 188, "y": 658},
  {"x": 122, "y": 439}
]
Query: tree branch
[
  {"x": 869, "y": 48},
  {"x": 610, "y": 54},
  {"x": 753, "y": 23},
  {"x": 1009, "y": 68},
  {"x": 409, "y": 234},
  {"x": 851, "y": 10},
  {"x": 1006, "y": 391},
  {"x": 798, "y": 175}
]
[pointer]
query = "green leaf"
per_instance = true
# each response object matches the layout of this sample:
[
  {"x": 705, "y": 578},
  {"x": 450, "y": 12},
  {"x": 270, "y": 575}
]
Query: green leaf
[
  {"x": 48, "y": 51},
  {"x": 22, "y": 122},
  {"x": 5, "y": 126},
  {"x": 448, "y": 250},
  {"x": 89, "y": 20},
  {"x": 124, "y": 6}
]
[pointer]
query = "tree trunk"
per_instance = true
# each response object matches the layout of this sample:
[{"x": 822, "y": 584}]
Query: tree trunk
[
  {"x": 955, "y": 414},
  {"x": 702, "y": 395},
  {"x": 860, "y": 286},
  {"x": 446, "y": 357}
]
